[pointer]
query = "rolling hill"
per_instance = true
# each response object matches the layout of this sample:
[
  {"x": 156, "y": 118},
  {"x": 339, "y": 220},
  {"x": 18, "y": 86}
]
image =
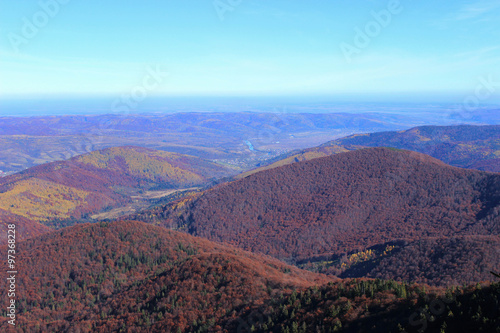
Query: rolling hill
[
  {"x": 98, "y": 277},
  {"x": 105, "y": 179},
  {"x": 465, "y": 146},
  {"x": 133, "y": 277},
  {"x": 329, "y": 212}
]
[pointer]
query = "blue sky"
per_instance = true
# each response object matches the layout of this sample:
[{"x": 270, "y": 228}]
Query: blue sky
[{"x": 426, "y": 49}]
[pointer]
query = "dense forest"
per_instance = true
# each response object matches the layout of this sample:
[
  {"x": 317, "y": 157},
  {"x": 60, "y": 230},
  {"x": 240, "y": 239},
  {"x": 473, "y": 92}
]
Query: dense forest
[
  {"x": 379, "y": 306},
  {"x": 134, "y": 277},
  {"x": 336, "y": 206},
  {"x": 134, "y": 274},
  {"x": 369, "y": 240},
  {"x": 25, "y": 228},
  {"x": 441, "y": 261}
]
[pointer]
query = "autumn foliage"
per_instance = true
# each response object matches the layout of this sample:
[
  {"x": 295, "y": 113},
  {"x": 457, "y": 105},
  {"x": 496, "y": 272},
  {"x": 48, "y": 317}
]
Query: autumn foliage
[
  {"x": 89, "y": 183},
  {"x": 328, "y": 208},
  {"x": 133, "y": 277},
  {"x": 105, "y": 276}
]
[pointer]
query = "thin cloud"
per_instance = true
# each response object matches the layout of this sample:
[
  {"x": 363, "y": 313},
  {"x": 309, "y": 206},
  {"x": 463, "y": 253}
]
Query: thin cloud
[
  {"x": 485, "y": 51},
  {"x": 476, "y": 9}
]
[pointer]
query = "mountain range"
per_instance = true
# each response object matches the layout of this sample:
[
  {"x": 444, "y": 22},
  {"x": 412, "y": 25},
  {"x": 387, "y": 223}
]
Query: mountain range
[{"x": 465, "y": 146}]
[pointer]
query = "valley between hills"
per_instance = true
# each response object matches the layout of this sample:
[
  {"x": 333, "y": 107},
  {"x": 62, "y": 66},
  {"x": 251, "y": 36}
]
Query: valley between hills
[{"x": 385, "y": 232}]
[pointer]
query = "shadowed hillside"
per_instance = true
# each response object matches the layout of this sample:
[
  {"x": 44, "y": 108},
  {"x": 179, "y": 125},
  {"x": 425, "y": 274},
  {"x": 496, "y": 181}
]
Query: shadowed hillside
[{"x": 442, "y": 261}]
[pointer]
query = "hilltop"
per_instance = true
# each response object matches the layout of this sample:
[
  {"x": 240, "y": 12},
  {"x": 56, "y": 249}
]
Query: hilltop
[
  {"x": 328, "y": 213},
  {"x": 464, "y": 146},
  {"x": 89, "y": 183}
]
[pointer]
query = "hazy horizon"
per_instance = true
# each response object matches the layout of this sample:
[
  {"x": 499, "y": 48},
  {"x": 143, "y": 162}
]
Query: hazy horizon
[{"x": 164, "y": 105}]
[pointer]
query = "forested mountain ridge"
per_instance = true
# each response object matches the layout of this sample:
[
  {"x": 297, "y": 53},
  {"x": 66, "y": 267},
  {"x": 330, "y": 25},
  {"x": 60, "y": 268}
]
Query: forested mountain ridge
[
  {"x": 324, "y": 211},
  {"x": 103, "y": 179},
  {"x": 465, "y": 146},
  {"x": 100, "y": 276}
]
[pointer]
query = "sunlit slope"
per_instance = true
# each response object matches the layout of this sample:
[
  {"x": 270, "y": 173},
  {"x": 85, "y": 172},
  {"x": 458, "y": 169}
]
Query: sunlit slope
[
  {"x": 305, "y": 155},
  {"x": 39, "y": 199},
  {"x": 153, "y": 165},
  {"x": 86, "y": 184}
]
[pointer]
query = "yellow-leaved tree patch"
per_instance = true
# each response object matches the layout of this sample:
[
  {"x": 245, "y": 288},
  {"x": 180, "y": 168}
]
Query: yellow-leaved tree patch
[{"x": 42, "y": 200}]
